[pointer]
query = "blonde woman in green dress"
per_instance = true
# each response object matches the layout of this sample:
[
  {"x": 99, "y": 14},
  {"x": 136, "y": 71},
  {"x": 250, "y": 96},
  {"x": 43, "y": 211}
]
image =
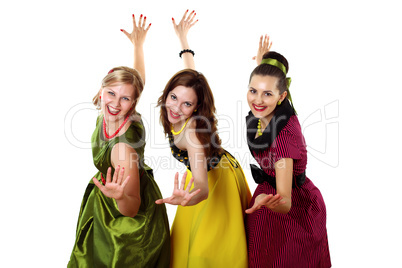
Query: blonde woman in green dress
[{"x": 119, "y": 223}]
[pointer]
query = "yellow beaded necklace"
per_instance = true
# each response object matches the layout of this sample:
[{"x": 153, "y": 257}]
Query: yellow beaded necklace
[
  {"x": 259, "y": 132},
  {"x": 178, "y": 132}
]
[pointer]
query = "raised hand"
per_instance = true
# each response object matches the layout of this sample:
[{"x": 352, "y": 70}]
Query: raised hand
[
  {"x": 113, "y": 188},
  {"x": 187, "y": 21},
  {"x": 137, "y": 36},
  {"x": 180, "y": 196},
  {"x": 264, "y": 47},
  {"x": 270, "y": 201}
]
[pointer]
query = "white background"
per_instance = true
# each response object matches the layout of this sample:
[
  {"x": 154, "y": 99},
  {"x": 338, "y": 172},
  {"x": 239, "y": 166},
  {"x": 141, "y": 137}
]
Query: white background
[{"x": 344, "y": 61}]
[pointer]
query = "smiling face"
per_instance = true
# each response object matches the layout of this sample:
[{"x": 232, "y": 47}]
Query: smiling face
[
  {"x": 263, "y": 95},
  {"x": 117, "y": 101},
  {"x": 180, "y": 104}
]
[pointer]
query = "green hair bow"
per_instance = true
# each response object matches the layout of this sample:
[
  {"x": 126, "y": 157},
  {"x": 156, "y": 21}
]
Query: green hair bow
[{"x": 280, "y": 65}]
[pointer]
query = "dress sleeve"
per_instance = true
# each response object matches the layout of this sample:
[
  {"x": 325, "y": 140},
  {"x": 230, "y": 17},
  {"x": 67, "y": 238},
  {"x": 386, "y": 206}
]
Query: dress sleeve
[
  {"x": 285, "y": 146},
  {"x": 98, "y": 118}
]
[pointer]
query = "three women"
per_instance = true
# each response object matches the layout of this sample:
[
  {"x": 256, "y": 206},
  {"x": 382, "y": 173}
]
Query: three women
[{"x": 285, "y": 226}]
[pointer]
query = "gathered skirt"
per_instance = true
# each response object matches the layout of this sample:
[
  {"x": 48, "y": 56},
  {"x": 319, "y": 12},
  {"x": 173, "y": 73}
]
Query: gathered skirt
[
  {"x": 106, "y": 238},
  {"x": 296, "y": 239},
  {"x": 212, "y": 233}
]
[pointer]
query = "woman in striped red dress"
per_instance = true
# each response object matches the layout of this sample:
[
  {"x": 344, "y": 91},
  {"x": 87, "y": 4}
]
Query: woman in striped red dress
[{"x": 286, "y": 221}]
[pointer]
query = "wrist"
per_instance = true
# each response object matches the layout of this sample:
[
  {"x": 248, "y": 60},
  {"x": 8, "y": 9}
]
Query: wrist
[
  {"x": 184, "y": 44},
  {"x": 138, "y": 45},
  {"x": 186, "y": 51},
  {"x": 121, "y": 198}
]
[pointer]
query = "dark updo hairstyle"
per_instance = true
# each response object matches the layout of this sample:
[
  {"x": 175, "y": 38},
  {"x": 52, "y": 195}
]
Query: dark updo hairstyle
[{"x": 269, "y": 70}]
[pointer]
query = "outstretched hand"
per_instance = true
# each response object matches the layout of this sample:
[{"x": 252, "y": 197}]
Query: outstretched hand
[
  {"x": 187, "y": 21},
  {"x": 137, "y": 36},
  {"x": 264, "y": 47},
  {"x": 180, "y": 196},
  {"x": 270, "y": 201},
  {"x": 113, "y": 188}
]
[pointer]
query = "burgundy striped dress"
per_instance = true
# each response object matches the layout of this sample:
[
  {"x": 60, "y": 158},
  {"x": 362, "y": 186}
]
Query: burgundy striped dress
[{"x": 298, "y": 238}]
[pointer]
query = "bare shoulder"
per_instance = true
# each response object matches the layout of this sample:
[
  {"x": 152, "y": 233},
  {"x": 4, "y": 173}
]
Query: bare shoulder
[
  {"x": 191, "y": 134},
  {"x": 122, "y": 152}
]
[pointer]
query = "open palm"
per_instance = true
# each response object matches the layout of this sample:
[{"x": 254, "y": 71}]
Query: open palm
[
  {"x": 137, "y": 36},
  {"x": 180, "y": 196},
  {"x": 113, "y": 188},
  {"x": 187, "y": 21},
  {"x": 269, "y": 201}
]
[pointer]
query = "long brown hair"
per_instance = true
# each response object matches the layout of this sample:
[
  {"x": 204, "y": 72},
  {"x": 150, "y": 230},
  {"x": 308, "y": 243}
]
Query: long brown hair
[
  {"x": 123, "y": 75},
  {"x": 205, "y": 114}
]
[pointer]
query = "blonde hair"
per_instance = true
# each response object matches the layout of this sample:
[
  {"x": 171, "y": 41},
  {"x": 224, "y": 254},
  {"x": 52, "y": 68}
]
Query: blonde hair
[{"x": 123, "y": 75}]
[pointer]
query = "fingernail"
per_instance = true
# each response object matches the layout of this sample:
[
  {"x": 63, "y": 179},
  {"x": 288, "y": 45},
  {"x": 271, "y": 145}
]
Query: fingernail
[
  {"x": 133, "y": 15},
  {"x": 172, "y": 18},
  {"x": 145, "y": 17},
  {"x": 150, "y": 24},
  {"x": 121, "y": 29},
  {"x": 141, "y": 16}
]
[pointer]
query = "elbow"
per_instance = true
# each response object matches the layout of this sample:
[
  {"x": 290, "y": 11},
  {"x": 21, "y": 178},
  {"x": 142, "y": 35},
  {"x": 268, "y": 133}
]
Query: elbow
[
  {"x": 286, "y": 209},
  {"x": 202, "y": 195},
  {"x": 283, "y": 208},
  {"x": 131, "y": 215},
  {"x": 136, "y": 207},
  {"x": 134, "y": 210}
]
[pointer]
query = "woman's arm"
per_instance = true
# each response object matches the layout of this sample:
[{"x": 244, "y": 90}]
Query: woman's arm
[
  {"x": 125, "y": 185},
  {"x": 282, "y": 201},
  {"x": 137, "y": 37},
  {"x": 181, "y": 30},
  {"x": 198, "y": 163},
  {"x": 284, "y": 175}
]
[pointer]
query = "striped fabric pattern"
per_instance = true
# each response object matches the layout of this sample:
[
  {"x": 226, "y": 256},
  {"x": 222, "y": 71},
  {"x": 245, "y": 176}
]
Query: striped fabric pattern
[
  {"x": 288, "y": 144},
  {"x": 298, "y": 238}
]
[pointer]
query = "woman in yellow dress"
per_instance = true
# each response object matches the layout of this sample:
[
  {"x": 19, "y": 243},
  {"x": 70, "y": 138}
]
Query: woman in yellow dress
[{"x": 208, "y": 229}]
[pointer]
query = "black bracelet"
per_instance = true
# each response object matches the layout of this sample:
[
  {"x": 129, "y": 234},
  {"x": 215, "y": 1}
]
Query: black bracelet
[{"x": 186, "y": 51}]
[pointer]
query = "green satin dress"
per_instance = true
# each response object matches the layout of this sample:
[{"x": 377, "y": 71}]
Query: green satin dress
[{"x": 106, "y": 238}]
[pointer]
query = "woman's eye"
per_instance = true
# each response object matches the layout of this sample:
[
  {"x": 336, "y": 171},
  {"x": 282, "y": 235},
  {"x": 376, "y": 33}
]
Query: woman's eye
[
  {"x": 127, "y": 99},
  {"x": 173, "y": 97},
  {"x": 268, "y": 94},
  {"x": 252, "y": 91},
  {"x": 187, "y": 104},
  {"x": 111, "y": 93}
]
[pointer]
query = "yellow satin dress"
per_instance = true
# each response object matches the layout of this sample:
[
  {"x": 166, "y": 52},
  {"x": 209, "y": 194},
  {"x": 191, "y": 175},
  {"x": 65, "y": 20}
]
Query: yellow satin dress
[{"x": 212, "y": 233}]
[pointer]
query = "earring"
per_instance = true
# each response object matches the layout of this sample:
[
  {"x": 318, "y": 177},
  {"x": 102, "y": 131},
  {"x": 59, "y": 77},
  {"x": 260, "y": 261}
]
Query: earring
[
  {"x": 195, "y": 110},
  {"x": 279, "y": 102},
  {"x": 100, "y": 97}
]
